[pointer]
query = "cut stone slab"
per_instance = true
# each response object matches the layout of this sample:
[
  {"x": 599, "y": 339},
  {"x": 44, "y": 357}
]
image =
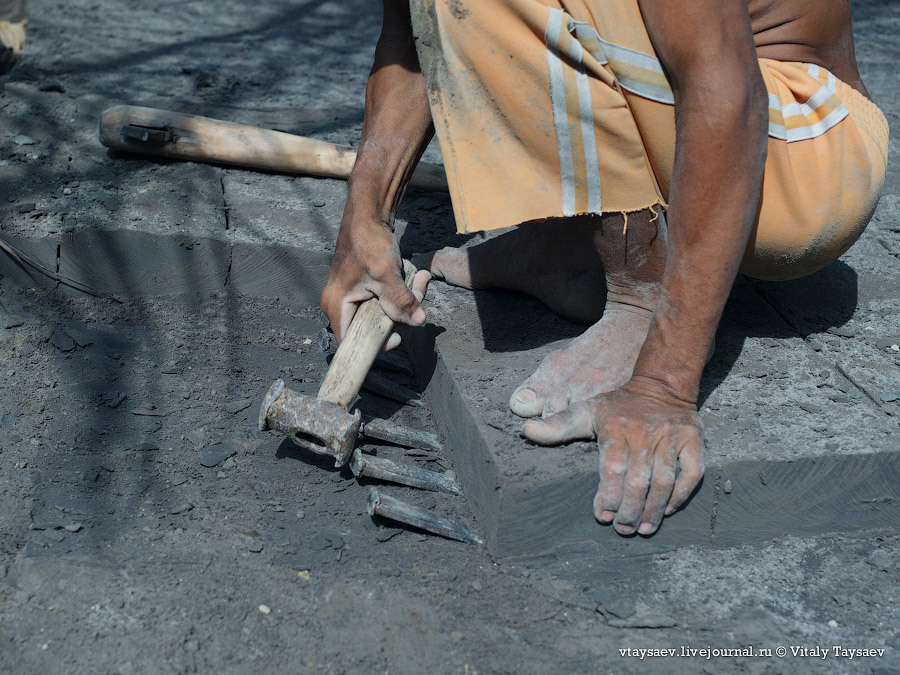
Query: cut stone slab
[
  {"x": 297, "y": 211},
  {"x": 809, "y": 497},
  {"x": 294, "y": 275},
  {"x": 131, "y": 263}
]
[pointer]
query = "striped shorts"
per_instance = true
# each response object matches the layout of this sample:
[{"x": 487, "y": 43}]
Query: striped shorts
[{"x": 556, "y": 108}]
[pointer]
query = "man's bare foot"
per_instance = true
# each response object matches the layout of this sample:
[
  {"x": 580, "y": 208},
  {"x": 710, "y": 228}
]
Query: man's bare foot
[
  {"x": 559, "y": 262},
  {"x": 599, "y": 360},
  {"x": 555, "y": 261}
]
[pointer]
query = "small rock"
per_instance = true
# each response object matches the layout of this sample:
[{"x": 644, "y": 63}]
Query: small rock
[
  {"x": 303, "y": 574},
  {"x": 264, "y": 609},
  {"x": 476, "y": 585},
  {"x": 325, "y": 340},
  {"x": 235, "y": 407},
  {"x": 22, "y": 139},
  {"x": 318, "y": 203},
  {"x": 183, "y": 508},
  {"x": 145, "y": 446},
  {"x": 82, "y": 335},
  {"x": 727, "y": 487},
  {"x": 114, "y": 400},
  {"x": 67, "y": 191},
  {"x": 810, "y": 407},
  {"x": 832, "y": 623},
  {"x": 890, "y": 398},
  {"x": 895, "y": 348},
  {"x": 229, "y": 464},
  {"x": 319, "y": 542},
  {"x": 216, "y": 454},
  {"x": 55, "y": 535},
  {"x": 74, "y": 527},
  {"x": 149, "y": 406},
  {"x": 841, "y": 331},
  {"x": 26, "y": 207},
  {"x": 62, "y": 341}
]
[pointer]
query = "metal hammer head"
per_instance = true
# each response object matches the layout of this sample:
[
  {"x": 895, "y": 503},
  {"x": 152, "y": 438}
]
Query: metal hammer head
[{"x": 312, "y": 423}]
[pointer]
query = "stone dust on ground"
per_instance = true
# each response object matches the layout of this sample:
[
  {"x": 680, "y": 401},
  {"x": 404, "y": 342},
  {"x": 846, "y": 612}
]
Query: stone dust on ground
[{"x": 148, "y": 527}]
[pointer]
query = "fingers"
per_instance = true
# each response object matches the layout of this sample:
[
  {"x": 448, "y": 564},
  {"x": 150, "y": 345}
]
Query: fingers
[
  {"x": 661, "y": 483},
  {"x": 393, "y": 342},
  {"x": 638, "y": 484},
  {"x": 420, "y": 283},
  {"x": 573, "y": 423},
  {"x": 690, "y": 461},
  {"x": 400, "y": 303},
  {"x": 635, "y": 484},
  {"x": 613, "y": 465},
  {"x": 394, "y": 339}
]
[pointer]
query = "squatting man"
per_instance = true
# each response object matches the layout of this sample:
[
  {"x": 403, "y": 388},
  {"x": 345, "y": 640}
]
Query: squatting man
[{"x": 647, "y": 150}]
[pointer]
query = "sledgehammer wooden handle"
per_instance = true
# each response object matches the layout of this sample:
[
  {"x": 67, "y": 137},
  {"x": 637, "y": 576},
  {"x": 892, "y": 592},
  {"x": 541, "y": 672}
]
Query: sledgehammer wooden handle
[
  {"x": 356, "y": 353},
  {"x": 203, "y": 139}
]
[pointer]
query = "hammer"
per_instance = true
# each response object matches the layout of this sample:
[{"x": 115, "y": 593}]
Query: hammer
[
  {"x": 202, "y": 139},
  {"x": 323, "y": 424}
]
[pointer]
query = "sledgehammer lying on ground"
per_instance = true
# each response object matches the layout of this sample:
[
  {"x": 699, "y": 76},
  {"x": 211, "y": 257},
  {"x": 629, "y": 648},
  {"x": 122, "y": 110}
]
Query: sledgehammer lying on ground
[{"x": 203, "y": 139}]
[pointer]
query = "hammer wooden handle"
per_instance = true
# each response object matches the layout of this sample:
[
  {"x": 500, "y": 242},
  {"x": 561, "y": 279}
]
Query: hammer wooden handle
[
  {"x": 356, "y": 353},
  {"x": 202, "y": 139}
]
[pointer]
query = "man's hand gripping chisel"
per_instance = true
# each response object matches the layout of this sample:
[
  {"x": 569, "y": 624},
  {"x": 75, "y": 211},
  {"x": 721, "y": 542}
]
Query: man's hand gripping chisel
[{"x": 323, "y": 424}]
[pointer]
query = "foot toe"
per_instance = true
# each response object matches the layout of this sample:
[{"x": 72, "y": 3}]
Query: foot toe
[
  {"x": 450, "y": 265},
  {"x": 553, "y": 405},
  {"x": 525, "y": 402}
]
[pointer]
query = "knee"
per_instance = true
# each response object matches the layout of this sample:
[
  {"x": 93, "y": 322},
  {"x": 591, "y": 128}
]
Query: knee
[{"x": 789, "y": 249}]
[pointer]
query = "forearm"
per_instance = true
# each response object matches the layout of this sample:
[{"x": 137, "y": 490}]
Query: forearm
[
  {"x": 397, "y": 126},
  {"x": 720, "y": 155}
]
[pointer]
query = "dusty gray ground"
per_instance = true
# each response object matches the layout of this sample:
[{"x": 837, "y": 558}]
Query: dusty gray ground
[{"x": 145, "y": 521}]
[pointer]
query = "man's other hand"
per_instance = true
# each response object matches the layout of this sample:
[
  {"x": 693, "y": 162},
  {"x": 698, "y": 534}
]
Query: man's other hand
[{"x": 651, "y": 452}]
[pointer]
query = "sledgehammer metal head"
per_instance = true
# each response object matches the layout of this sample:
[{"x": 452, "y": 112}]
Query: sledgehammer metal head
[
  {"x": 312, "y": 423},
  {"x": 323, "y": 424}
]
